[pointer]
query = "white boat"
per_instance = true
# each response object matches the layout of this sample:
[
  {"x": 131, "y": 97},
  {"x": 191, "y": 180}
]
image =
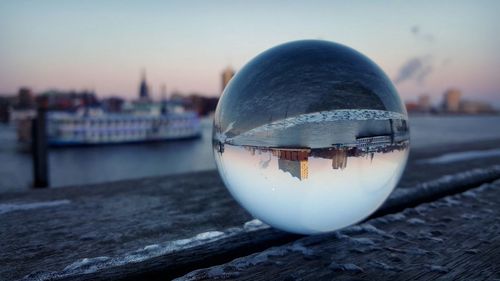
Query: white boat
[{"x": 66, "y": 129}]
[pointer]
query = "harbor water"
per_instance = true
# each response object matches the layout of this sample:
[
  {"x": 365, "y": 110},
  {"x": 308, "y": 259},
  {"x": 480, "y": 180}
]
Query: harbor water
[{"x": 97, "y": 164}]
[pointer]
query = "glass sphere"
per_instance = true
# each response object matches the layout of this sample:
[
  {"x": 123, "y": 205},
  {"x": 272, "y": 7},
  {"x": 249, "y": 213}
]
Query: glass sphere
[{"x": 310, "y": 136}]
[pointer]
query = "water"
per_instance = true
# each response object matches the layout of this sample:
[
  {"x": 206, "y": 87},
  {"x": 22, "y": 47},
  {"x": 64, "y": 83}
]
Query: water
[
  {"x": 441, "y": 130},
  {"x": 84, "y": 165}
]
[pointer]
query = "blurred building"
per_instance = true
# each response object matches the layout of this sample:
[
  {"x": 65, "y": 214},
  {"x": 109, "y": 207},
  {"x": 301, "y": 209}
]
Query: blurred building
[
  {"x": 294, "y": 161},
  {"x": 163, "y": 95},
  {"x": 144, "y": 88},
  {"x": 451, "y": 102},
  {"x": 67, "y": 100},
  {"x": 23, "y": 107},
  {"x": 227, "y": 74},
  {"x": 201, "y": 104},
  {"x": 424, "y": 103},
  {"x": 411, "y": 107},
  {"x": 163, "y": 92},
  {"x": 339, "y": 158},
  {"x": 475, "y": 107},
  {"x": 113, "y": 104},
  {"x": 6, "y": 103},
  {"x": 25, "y": 99}
]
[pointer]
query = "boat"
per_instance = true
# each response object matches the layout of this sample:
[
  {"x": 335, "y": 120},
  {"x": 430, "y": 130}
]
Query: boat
[
  {"x": 70, "y": 129},
  {"x": 76, "y": 129}
]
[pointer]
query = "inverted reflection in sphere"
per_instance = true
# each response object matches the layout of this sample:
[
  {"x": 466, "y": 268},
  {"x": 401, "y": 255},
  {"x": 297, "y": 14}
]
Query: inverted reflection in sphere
[{"x": 310, "y": 136}]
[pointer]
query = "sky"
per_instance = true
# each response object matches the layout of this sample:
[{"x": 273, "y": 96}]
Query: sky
[{"x": 423, "y": 46}]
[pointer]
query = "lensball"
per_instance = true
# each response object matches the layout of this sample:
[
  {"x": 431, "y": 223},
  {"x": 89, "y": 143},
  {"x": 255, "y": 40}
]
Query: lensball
[{"x": 310, "y": 136}]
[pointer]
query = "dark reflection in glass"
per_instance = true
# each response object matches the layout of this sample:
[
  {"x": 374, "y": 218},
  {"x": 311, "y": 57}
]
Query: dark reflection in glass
[{"x": 303, "y": 77}]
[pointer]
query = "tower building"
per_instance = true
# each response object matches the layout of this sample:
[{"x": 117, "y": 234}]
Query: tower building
[
  {"x": 293, "y": 161},
  {"x": 227, "y": 74},
  {"x": 451, "y": 101},
  {"x": 143, "y": 88}
]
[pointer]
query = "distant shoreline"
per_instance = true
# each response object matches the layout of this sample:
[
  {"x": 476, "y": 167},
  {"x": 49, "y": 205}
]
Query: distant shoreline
[{"x": 453, "y": 114}]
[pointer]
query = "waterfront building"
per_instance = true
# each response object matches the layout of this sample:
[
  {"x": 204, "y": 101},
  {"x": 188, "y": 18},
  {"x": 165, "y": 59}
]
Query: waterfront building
[
  {"x": 294, "y": 161},
  {"x": 23, "y": 107},
  {"x": 339, "y": 159},
  {"x": 227, "y": 74},
  {"x": 163, "y": 92},
  {"x": 424, "y": 103},
  {"x": 298, "y": 169},
  {"x": 5, "y": 103},
  {"x": 25, "y": 99},
  {"x": 164, "y": 104},
  {"x": 144, "y": 88},
  {"x": 451, "y": 101},
  {"x": 475, "y": 107},
  {"x": 113, "y": 104},
  {"x": 67, "y": 100},
  {"x": 374, "y": 142}
]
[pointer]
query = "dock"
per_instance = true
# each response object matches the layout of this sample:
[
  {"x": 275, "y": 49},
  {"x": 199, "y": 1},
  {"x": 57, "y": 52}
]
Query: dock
[{"x": 440, "y": 222}]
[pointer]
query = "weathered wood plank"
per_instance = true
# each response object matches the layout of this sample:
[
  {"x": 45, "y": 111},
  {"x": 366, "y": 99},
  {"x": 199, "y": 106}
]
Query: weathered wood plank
[
  {"x": 176, "y": 263},
  {"x": 110, "y": 220},
  {"x": 457, "y": 237}
]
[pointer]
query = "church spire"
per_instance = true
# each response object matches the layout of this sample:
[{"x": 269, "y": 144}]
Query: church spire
[{"x": 143, "y": 87}]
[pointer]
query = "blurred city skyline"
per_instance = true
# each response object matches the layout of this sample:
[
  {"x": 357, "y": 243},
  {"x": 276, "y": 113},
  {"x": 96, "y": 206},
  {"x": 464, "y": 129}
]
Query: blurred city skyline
[{"x": 425, "y": 48}]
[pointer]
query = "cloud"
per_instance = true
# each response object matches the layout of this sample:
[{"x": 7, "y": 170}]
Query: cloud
[
  {"x": 419, "y": 68},
  {"x": 415, "y": 29},
  {"x": 423, "y": 36},
  {"x": 416, "y": 69},
  {"x": 423, "y": 73}
]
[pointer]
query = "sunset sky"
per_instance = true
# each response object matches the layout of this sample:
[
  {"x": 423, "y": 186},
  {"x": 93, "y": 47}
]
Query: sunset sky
[{"x": 423, "y": 46}]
